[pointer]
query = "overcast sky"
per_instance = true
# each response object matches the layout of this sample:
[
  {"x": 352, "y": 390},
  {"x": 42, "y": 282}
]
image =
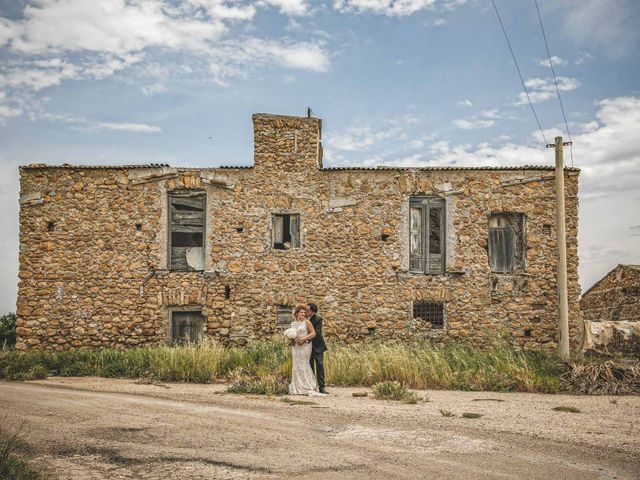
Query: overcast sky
[{"x": 404, "y": 82}]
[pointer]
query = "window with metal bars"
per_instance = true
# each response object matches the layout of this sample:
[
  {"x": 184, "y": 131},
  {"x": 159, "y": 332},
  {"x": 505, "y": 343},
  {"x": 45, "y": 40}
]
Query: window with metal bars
[
  {"x": 186, "y": 327},
  {"x": 427, "y": 235},
  {"x": 432, "y": 312}
]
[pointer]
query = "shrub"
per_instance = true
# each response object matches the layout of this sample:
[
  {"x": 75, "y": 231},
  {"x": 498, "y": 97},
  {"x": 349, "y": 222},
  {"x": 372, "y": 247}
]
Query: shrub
[
  {"x": 7, "y": 331},
  {"x": 12, "y": 449},
  {"x": 391, "y": 390}
]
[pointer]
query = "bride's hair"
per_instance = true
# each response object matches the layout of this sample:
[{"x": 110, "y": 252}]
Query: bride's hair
[{"x": 297, "y": 309}]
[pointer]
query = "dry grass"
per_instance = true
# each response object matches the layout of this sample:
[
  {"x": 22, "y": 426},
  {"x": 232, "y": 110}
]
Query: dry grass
[
  {"x": 604, "y": 378},
  {"x": 417, "y": 366}
]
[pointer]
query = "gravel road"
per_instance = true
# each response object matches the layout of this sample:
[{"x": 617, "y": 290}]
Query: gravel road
[{"x": 94, "y": 428}]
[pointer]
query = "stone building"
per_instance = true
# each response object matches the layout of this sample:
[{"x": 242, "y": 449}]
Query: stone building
[
  {"x": 615, "y": 297},
  {"x": 142, "y": 254}
]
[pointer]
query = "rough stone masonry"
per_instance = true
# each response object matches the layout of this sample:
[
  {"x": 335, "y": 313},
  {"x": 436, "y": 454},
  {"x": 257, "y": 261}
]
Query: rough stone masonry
[{"x": 138, "y": 255}]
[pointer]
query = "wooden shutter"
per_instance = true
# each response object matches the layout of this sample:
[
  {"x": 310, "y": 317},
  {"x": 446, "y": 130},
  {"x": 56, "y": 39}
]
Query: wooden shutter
[
  {"x": 436, "y": 236},
  {"x": 294, "y": 230},
  {"x": 186, "y": 228},
  {"x": 416, "y": 240},
  {"x": 278, "y": 229},
  {"x": 506, "y": 242}
]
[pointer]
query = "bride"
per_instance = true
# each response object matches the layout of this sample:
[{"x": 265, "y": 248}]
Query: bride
[{"x": 303, "y": 381}]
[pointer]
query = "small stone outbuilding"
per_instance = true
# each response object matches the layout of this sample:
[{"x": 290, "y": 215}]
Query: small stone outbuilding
[
  {"x": 133, "y": 255},
  {"x": 615, "y": 297}
]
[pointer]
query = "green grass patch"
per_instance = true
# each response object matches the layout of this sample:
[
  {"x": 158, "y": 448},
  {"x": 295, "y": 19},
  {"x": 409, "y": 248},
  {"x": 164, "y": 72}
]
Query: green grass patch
[
  {"x": 13, "y": 453},
  {"x": 268, "y": 385},
  {"x": 568, "y": 409},
  {"x": 447, "y": 366},
  {"x": 392, "y": 390},
  {"x": 471, "y": 415}
]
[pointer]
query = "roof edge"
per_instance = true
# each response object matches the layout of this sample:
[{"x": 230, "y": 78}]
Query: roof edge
[{"x": 44, "y": 166}]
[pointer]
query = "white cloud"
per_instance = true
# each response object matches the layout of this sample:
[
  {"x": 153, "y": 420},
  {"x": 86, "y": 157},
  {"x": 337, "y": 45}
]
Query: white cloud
[
  {"x": 235, "y": 59},
  {"x": 542, "y": 89},
  {"x": 472, "y": 124},
  {"x": 393, "y": 8},
  {"x": 62, "y": 40},
  {"x": 465, "y": 103},
  {"x": 439, "y": 22},
  {"x": 112, "y": 26},
  {"x": 289, "y": 7},
  {"x": 583, "y": 57},
  {"x": 554, "y": 61},
  {"x": 125, "y": 127},
  {"x": 153, "y": 89},
  {"x": 607, "y": 26}
]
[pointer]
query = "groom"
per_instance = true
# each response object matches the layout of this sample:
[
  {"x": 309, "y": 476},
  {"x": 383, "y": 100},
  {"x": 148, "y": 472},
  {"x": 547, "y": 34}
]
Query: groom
[{"x": 318, "y": 347}]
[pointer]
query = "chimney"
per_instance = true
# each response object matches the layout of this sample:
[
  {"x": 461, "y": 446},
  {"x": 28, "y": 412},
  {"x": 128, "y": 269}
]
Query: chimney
[{"x": 287, "y": 144}]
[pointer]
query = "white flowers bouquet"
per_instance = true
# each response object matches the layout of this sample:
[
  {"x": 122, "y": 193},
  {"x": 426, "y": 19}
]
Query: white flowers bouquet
[{"x": 291, "y": 333}]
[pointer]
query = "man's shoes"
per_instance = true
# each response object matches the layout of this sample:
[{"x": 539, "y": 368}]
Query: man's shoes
[{"x": 322, "y": 390}]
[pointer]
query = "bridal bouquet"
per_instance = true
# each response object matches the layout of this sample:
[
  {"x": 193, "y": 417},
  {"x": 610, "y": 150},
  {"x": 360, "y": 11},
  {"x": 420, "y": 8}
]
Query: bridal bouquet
[{"x": 291, "y": 333}]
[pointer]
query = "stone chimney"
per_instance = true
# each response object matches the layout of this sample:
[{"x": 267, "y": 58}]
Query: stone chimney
[{"x": 287, "y": 144}]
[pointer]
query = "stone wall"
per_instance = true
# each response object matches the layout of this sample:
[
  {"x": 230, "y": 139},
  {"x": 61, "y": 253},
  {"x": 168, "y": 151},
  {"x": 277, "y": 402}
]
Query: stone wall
[
  {"x": 616, "y": 297},
  {"x": 93, "y": 249}
]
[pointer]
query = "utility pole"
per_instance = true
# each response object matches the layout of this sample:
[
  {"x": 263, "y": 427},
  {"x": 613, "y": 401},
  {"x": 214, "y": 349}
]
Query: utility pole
[{"x": 561, "y": 241}]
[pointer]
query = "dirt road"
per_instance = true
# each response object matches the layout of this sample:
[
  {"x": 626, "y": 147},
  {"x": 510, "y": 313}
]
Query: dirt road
[{"x": 99, "y": 428}]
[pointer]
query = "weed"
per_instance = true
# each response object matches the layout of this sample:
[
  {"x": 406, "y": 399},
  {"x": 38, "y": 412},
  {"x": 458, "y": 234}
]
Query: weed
[
  {"x": 567, "y": 409},
  {"x": 471, "y": 415},
  {"x": 447, "y": 413},
  {"x": 268, "y": 385},
  {"x": 613, "y": 401},
  {"x": 391, "y": 390},
  {"x": 291, "y": 401},
  {"x": 12, "y": 449}
]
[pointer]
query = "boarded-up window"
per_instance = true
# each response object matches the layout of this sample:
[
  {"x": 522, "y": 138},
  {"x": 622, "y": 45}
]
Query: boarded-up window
[
  {"x": 432, "y": 312},
  {"x": 427, "y": 235},
  {"x": 286, "y": 231},
  {"x": 186, "y": 327},
  {"x": 186, "y": 230},
  {"x": 506, "y": 242},
  {"x": 284, "y": 315}
]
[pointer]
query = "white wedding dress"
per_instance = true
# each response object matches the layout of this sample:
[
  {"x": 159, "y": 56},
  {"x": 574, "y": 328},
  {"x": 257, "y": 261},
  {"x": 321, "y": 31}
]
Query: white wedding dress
[{"x": 303, "y": 381}]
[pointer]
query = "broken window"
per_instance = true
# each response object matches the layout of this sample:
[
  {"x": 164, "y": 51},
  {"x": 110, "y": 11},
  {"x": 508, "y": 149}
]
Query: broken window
[
  {"x": 286, "y": 231},
  {"x": 506, "y": 242},
  {"x": 186, "y": 327},
  {"x": 284, "y": 315},
  {"x": 432, "y": 312},
  {"x": 427, "y": 235},
  {"x": 186, "y": 230}
]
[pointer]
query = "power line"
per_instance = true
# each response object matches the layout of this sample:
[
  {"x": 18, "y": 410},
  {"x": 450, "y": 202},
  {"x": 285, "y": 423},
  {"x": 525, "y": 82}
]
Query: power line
[
  {"x": 519, "y": 72},
  {"x": 555, "y": 80}
]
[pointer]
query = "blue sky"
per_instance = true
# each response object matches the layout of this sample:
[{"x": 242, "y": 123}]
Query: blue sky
[{"x": 405, "y": 82}]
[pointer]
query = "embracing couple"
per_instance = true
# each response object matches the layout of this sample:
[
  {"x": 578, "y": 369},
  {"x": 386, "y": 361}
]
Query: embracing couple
[{"x": 307, "y": 351}]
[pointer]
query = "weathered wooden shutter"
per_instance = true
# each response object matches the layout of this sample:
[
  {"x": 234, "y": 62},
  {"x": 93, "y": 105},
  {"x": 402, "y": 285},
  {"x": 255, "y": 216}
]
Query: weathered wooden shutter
[
  {"x": 186, "y": 221},
  {"x": 416, "y": 252},
  {"x": 436, "y": 237},
  {"x": 278, "y": 229},
  {"x": 506, "y": 242},
  {"x": 501, "y": 245},
  {"x": 294, "y": 230}
]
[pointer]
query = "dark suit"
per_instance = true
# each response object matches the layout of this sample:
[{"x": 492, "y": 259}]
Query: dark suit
[{"x": 318, "y": 347}]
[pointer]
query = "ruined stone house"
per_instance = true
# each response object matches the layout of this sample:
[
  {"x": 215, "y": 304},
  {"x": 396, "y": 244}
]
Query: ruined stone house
[
  {"x": 615, "y": 297},
  {"x": 143, "y": 254}
]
